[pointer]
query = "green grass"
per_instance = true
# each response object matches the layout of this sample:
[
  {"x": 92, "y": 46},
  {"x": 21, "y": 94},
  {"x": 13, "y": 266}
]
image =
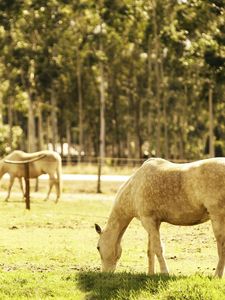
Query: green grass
[{"x": 50, "y": 252}]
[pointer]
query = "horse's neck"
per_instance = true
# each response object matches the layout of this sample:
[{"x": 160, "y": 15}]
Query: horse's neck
[
  {"x": 116, "y": 225},
  {"x": 121, "y": 214}
]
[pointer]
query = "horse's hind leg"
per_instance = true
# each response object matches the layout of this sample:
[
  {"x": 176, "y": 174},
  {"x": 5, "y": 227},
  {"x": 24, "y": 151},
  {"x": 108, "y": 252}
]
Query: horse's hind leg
[
  {"x": 155, "y": 245},
  {"x": 218, "y": 224},
  {"x": 11, "y": 181},
  {"x": 51, "y": 183},
  {"x": 56, "y": 182}
]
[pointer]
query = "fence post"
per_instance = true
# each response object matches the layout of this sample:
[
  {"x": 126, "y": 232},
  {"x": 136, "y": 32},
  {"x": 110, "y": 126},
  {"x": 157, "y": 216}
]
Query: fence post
[{"x": 27, "y": 185}]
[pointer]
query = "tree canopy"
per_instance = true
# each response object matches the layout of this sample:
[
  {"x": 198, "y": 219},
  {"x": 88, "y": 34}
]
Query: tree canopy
[{"x": 142, "y": 72}]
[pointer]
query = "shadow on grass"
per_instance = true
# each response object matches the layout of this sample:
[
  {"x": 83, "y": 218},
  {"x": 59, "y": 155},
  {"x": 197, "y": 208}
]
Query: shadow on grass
[{"x": 122, "y": 285}]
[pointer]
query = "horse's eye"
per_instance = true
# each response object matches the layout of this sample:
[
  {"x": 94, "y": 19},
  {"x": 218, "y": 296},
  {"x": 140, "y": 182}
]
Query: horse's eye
[{"x": 98, "y": 248}]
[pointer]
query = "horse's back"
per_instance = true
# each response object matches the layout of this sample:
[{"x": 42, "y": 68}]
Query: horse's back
[
  {"x": 41, "y": 162},
  {"x": 178, "y": 193},
  {"x": 23, "y": 156}
]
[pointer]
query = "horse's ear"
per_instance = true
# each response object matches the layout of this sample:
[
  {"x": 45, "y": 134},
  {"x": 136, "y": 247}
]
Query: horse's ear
[{"x": 98, "y": 229}]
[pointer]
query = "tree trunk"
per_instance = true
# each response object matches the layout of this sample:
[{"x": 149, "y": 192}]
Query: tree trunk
[
  {"x": 40, "y": 127},
  {"x": 1, "y": 111},
  {"x": 80, "y": 101},
  {"x": 31, "y": 128},
  {"x": 130, "y": 127},
  {"x": 150, "y": 99},
  {"x": 102, "y": 122},
  {"x": 184, "y": 124},
  {"x": 117, "y": 152},
  {"x": 54, "y": 127},
  {"x": 68, "y": 139},
  {"x": 164, "y": 95},
  {"x": 157, "y": 76},
  {"x": 102, "y": 113},
  {"x": 10, "y": 121},
  {"x": 138, "y": 131},
  {"x": 166, "y": 147},
  {"x": 211, "y": 124},
  {"x": 48, "y": 131}
]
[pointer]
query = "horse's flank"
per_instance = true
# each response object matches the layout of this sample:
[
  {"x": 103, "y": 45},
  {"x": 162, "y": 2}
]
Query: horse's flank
[{"x": 179, "y": 194}]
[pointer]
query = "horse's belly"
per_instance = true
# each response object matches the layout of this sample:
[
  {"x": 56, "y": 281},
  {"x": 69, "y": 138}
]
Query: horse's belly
[
  {"x": 175, "y": 212},
  {"x": 186, "y": 218},
  {"x": 34, "y": 172}
]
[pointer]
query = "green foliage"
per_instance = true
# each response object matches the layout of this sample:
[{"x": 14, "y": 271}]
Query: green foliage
[
  {"x": 177, "y": 45},
  {"x": 5, "y": 134}
]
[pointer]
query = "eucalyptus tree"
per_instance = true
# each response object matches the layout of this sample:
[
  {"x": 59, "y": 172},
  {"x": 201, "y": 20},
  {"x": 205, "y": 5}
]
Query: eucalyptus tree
[
  {"x": 204, "y": 59},
  {"x": 9, "y": 14}
]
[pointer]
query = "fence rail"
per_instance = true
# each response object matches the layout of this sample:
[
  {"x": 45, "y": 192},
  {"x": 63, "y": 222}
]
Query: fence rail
[{"x": 111, "y": 161}]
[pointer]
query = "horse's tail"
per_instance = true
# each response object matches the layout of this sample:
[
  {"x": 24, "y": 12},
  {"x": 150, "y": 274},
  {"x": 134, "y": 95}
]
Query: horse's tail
[{"x": 59, "y": 176}]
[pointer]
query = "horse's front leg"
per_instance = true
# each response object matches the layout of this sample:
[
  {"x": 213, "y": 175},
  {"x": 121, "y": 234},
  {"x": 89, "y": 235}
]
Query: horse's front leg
[
  {"x": 218, "y": 224},
  {"x": 11, "y": 181},
  {"x": 155, "y": 245},
  {"x": 151, "y": 257}
]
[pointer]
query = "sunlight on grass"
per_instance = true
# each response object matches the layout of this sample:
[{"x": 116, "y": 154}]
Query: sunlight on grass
[{"x": 50, "y": 252}]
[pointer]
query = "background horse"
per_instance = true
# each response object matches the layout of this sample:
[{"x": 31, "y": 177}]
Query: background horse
[
  {"x": 42, "y": 162},
  {"x": 161, "y": 191}
]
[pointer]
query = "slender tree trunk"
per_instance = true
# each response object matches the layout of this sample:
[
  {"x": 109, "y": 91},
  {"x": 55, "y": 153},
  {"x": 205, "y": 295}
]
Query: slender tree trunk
[
  {"x": 158, "y": 87},
  {"x": 130, "y": 129},
  {"x": 80, "y": 100},
  {"x": 31, "y": 128},
  {"x": 138, "y": 132},
  {"x": 40, "y": 136},
  {"x": 102, "y": 122},
  {"x": 40, "y": 127},
  {"x": 211, "y": 124},
  {"x": 164, "y": 95},
  {"x": 68, "y": 138},
  {"x": 1, "y": 111},
  {"x": 54, "y": 127},
  {"x": 150, "y": 97},
  {"x": 166, "y": 146},
  {"x": 31, "y": 144},
  {"x": 184, "y": 124},
  {"x": 102, "y": 113},
  {"x": 116, "y": 152},
  {"x": 10, "y": 121},
  {"x": 48, "y": 131}
]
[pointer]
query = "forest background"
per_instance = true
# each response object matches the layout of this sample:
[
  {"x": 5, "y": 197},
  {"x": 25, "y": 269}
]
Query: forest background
[{"x": 122, "y": 78}]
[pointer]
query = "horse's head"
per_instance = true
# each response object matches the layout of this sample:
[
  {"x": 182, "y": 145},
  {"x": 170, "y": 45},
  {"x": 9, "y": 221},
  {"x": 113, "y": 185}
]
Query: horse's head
[{"x": 109, "y": 251}]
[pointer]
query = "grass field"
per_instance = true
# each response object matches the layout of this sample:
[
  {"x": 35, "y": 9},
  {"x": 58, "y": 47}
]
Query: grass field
[{"x": 50, "y": 252}]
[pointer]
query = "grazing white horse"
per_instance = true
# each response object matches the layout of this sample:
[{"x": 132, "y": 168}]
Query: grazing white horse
[
  {"x": 42, "y": 162},
  {"x": 161, "y": 191}
]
